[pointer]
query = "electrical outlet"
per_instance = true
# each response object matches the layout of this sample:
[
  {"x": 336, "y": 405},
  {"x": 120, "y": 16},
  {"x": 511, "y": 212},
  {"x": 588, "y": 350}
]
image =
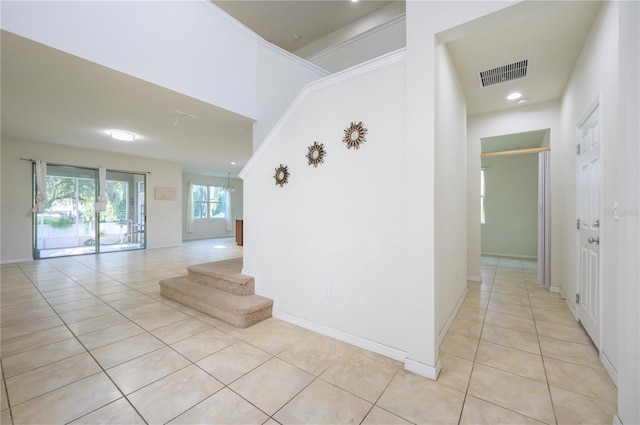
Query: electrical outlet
[{"x": 326, "y": 290}]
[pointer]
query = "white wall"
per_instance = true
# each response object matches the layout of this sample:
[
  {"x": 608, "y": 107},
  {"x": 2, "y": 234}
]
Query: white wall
[
  {"x": 280, "y": 78},
  {"x": 214, "y": 227},
  {"x": 511, "y": 206},
  {"x": 150, "y": 41},
  {"x": 425, "y": 21},
  {"x": 516, "y": 120},
  {"x": 340, "y": 224},
  {"x": 380, "y": 32},
  {"x": 595, "y": 76},
  {"x": 629, "y": 224},
  {"x": 451, "y": 205},
  {"x": 163, "y": 217}
]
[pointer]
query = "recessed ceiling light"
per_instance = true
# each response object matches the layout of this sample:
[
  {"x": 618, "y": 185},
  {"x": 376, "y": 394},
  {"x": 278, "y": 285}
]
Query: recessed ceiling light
[
  {"x": 523, "y": 101},
  {"x": 232, "y": 163},
  {"x": 354, "y": 1},
  {"x": 515, "y": 95},
  {"x": 124, "y": 136}
]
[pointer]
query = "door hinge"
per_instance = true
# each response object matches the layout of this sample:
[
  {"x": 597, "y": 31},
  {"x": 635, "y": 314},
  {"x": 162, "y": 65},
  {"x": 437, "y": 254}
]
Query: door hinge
[
  {"x": 578, "y": 224},
  {"x": 578, "y": 149},
  {"x": 577, "y": 298}
]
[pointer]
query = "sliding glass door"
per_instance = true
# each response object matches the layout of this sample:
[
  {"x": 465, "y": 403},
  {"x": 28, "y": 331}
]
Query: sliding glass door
[
  {"x": 69, "y": 224},
  {"x": 122, "y": 224}
]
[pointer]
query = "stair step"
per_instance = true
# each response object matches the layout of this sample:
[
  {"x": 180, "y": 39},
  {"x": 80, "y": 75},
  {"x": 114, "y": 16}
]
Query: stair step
[
  {"x": 240, "y": 311},
  {"x": 224, "y": 275}
]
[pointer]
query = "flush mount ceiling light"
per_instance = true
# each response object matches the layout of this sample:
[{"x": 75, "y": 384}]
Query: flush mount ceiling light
[
  {"x": 515, "y": 95},
  {"x": 124, "y": 136}
]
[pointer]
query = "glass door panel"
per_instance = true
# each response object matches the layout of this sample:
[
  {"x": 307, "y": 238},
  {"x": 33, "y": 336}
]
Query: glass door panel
[
  {"x": 121, "y": 226},
  {"x": 67, "y": 224}
]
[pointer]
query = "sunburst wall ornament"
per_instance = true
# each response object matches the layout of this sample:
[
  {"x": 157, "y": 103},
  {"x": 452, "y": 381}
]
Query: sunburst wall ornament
[
  {"x": 354, "y": 135},
  {"x": 281, "y": 175},
  {"x": 315, "y": 154}
]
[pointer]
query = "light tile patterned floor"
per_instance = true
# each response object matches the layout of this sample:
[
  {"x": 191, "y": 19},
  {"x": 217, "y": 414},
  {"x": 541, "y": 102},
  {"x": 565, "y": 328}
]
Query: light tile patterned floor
[{"x": 89, "y": 340}]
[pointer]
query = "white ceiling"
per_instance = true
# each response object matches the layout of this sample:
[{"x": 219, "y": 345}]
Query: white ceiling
[
  {"x": 52, "y": 97},
  {"x": 294, "y": 24},
  {"x": 550, "y": 34}
]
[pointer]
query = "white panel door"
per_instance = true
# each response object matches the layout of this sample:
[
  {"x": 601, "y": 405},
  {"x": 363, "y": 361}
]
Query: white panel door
[{"x": 589, "y": 226}]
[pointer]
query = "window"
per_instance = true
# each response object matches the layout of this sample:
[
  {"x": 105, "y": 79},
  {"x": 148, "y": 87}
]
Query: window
[
  {"x": 208, "y": 201},
  {"x": 483, "y": 219}
]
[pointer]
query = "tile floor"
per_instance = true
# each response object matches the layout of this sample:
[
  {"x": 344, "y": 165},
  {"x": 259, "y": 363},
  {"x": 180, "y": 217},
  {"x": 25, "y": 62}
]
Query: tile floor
[{"x": 89, "y": 340}]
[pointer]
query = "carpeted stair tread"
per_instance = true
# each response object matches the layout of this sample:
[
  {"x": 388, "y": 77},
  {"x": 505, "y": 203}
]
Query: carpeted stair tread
[
  {"x": 238, "y": 304},
  {"x": 241, "y": 311},
  {"x": 225, "y": 275},
  {"x": 225, "y": 269}
]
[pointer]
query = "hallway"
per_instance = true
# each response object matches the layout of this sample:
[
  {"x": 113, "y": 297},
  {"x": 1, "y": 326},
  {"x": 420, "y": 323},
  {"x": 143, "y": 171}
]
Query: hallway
[{"x": 89, "y": 339}]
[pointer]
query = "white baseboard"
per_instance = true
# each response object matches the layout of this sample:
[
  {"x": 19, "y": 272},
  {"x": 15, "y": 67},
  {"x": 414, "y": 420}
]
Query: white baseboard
[
  {"x": 474, "y": 278},
  {"x": 508, "y": 255},
  {"x": 17, "y": 260},
  {"x": 613, "y": 373},
  {"x": 452, "y": 316},
  {"x": 570, "y": 304},
  {"x": 555, "y": 289},
  {"x": 422, "y": 369},
  {"x": 343, "y": 336},
  {"x": 616, "y": 420}
]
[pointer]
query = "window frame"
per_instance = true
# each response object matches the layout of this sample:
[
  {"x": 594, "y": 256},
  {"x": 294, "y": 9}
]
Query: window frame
[{"x": 214, "y": 199}]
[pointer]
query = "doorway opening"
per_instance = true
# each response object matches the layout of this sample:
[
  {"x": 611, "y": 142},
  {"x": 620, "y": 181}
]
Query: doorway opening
[{"x": 515, "y": 201}]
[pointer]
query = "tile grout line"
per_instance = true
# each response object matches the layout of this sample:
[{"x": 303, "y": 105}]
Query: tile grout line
[{"x": 86, "y": 350}]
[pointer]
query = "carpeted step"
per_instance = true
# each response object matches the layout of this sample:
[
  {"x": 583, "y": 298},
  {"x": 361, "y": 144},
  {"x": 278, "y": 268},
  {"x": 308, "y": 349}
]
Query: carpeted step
[
  {"x": 224, "y": 275},
  {"x": 240, "y": 311}
]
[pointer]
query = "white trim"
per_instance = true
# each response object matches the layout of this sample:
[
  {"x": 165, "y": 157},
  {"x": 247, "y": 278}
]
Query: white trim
[
  {"x": 474, "y": 278},
  {"x": 311, "y": 66},
  {"x": 363, "y": 343},
  {"x": 17, "y": 260},
  {"x": 555, "y": 289},
  {"x": 163, "y": 246},
  {"x": 452, "y": 317},
  {"x": 422, "y": 369},
  {"x": 572, "y": 308},
  {"x": 616, "y": 420},
  {"x": 329, "y": 81},
  {"x": 229, "y": 18},
  {"x": 608, "y": 366},
  {"x": 400, "y": 18},
  {"x": 499, "y": 254}
]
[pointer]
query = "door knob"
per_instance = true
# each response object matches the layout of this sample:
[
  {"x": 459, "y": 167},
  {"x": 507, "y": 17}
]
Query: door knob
[{"x": 594, "y": 240}]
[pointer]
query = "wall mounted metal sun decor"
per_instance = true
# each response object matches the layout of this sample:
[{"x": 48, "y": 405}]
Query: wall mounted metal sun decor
[
  {"x": 315, "y": 154},
  {"x": 281, "y": 175},
  {"x": 354, "y": 135}
]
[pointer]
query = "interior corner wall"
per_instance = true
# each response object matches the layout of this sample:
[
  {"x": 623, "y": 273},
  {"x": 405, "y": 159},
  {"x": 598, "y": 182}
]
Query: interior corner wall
[
  {"x": 372, "y": 44},
  {"x": 280, "y": 78},
  {"x": 450, "y": 191},
  {"x": 339, "y": 226},
  {"x": 425, "y": 21},
  {"x": 163, "y": 217},
  {"x": 178, "y": 45},
  {"x": 595, "y": 77},
  {"x": 211, "y": 227},
  {"x": 511, "y": 206},
  {"x": 516, "y": 120}
]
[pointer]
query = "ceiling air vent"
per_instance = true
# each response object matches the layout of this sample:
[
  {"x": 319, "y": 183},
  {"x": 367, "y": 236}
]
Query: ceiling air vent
[{"x": 504, "y": 73}]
